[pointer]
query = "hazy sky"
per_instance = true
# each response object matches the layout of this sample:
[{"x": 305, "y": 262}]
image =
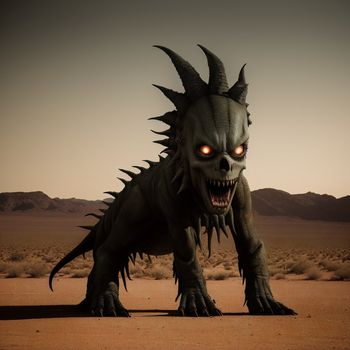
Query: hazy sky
[{"x": 75, "y": 88}]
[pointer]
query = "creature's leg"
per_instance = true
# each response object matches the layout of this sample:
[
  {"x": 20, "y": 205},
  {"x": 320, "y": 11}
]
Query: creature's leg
[
  {"x": 252, "y": 258},
  {"x": 112, "y": 256},
  {"x": 102, "y": 296},
  {"x": 195, "y": 300}
]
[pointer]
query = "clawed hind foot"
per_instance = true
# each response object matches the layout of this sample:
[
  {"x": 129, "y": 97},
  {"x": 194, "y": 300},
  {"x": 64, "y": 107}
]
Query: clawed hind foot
[
  {"x": 106, "y": 303},
  {"x": 196, "y": 303}
]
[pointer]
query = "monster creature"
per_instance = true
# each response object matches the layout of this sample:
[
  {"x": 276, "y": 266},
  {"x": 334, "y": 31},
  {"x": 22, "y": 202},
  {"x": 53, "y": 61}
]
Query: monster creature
[{"x": 163, "y": 208}]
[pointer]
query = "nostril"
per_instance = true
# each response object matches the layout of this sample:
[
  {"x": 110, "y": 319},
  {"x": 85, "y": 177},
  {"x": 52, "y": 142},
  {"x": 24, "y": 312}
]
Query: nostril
[{"x": 224, "y": 165}]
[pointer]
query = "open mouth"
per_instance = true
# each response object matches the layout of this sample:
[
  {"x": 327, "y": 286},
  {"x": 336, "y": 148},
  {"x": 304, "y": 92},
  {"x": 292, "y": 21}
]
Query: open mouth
[{"x": 220, "y": 192}]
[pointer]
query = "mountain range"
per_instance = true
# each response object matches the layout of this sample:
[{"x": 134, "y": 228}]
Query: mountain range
[{"x": 266, "y": 202}]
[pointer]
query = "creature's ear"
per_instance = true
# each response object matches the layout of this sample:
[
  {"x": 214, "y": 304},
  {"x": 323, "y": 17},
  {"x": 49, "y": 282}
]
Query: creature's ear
[{"x": 238, "y": 91}]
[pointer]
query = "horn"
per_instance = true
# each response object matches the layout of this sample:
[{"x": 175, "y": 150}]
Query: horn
[
  {"x": 217, "y": 75},
  {"x": 179, "y": 100},
  {"x": 238, "y": 91},
  {"x": 193, "y": 84}
]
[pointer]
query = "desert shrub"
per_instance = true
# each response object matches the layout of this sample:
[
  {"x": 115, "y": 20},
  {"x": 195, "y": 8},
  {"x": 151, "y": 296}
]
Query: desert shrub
[
  {"x": 36, "y": 269},
  {"x": 313, "y": 273},
  {"x": 329, "y": 265},
  {"x": 67, "y": 270},
  {"x": 136, "y": 270},
  {"x": 279, "y": 276},
  {"x": 300, "y": 266},
  {"x": 80, "y": 273},
  {"x": 346, "y": 257},
  {"x": 159, "y": 272},
  {"x": 343, "y": 273},
  {"x": 15, "y": 270},
  {"x": 227, "y": 264},
  {"x": 275, "y": 270},
  {"x": 289, "y": 263},
  {"x": 16, "y": 256},
  {"x": 3, "y": 267},
  {"x": 218, "y": 274},
  {"x": 49, "y": 258}
]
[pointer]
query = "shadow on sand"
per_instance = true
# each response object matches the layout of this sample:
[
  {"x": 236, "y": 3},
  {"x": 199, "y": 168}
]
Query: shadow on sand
[{"x": 59, "y": 311}]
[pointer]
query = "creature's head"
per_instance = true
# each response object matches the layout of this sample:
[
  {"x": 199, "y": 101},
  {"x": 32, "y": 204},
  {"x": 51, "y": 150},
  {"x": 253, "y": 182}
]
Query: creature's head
[{"x": 208, "y": 134}]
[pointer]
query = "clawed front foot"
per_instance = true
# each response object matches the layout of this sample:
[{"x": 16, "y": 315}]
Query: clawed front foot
[
  {"x": 107, "y": 303},
  {"x": 260, "y": 300},
  {"x": 195, "y": 302},
  {"x": 262, "y": 305}
]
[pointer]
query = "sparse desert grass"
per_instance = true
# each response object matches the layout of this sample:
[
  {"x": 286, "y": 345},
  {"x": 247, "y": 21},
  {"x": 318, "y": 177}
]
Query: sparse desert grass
[
  {"x": 80, "y": 273},
  {"x": 300, "y": 266},
  {"x": 36, "y": 269},
  {"x": 15, "y": 270},
  {"x": 310, "y": 264},
  {"x": 279, "y": 276},
  {"x": 16, "y": 256},
  {"x": 218, "y": 274},
  {"x": 313, "y": 273},
  {"x": 330, "y": 265},
  {"x": 343, "y": 273},
  {"x": 159, "y": 272}
]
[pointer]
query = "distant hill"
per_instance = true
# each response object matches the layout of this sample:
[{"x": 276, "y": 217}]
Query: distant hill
[
  {"x": 266, "y": 202},
  {"x": 309, "y": 206},
  {"x": 39, "y": 202}
]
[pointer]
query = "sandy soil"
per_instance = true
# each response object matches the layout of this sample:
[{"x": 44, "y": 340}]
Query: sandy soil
[{"x": 32, "y": 317}]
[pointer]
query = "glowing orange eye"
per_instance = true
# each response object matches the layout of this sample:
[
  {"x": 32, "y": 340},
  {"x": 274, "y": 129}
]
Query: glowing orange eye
[
  {"x": 239, "y": 151},
  {"x": 206, "y": 150}
]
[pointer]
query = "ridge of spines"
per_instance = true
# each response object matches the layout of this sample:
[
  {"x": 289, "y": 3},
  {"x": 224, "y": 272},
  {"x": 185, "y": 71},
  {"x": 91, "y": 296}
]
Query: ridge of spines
[
  {"x": 168, "y": 118},
  {"x": 128, "y": 172}
]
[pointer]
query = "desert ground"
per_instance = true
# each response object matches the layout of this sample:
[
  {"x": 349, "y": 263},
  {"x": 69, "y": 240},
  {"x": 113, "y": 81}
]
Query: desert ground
[
  {"x": 309, "y": 263},
  {"x": 32, "y": 317}
]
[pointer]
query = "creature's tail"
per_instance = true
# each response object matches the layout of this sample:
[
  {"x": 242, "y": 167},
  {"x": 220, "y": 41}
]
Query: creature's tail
[{"x": 84, "y": 246}]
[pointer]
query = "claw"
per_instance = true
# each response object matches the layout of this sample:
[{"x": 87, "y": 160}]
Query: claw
[
  {"x": 181, "y": 312},
  {"x": 100, "y": 313},
  {"x": 205, "y": 313},
  {"x": 124, "y": 312},
  {"x": 218, "y": 312}
]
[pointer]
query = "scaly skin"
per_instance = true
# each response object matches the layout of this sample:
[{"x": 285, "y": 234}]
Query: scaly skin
[{"x": 162, "y": 209}]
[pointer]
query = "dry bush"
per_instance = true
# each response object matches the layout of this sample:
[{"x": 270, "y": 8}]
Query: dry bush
[
  {"x": 80, "y": 273},
  {"x": 159, "y": 272},
  {"x": 36, "y": 269},
  {"x": 218, "y": 274},
  {"x": 300, "y": 267},
  {"x": 330, "y": 265},
  {"x": 313, "y": 273},
  {"x": 136, "y": 270},
  {"x": 343, "y": 273},
  {"x": 3, "y": 267},
  {"x": 276, "y": 270},
  {"x": 14, "y": 270},
  {"x": 279, "y": 276},
  {"x": 288, "y": 263},
  {"x": 16, "y": 256}
]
